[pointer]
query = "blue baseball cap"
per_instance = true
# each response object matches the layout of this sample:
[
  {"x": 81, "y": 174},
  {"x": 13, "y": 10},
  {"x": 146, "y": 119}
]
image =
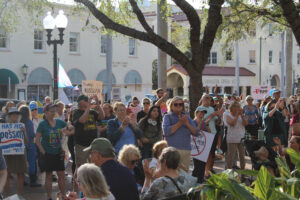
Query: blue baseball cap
[{"x": 33, "y": 105}]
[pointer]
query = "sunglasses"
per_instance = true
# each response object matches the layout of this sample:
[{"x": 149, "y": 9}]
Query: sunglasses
[
  {"x": 146, "y": 103},
  {"x": 133, "y": 162},
  {"x": 178, "y": 104}
]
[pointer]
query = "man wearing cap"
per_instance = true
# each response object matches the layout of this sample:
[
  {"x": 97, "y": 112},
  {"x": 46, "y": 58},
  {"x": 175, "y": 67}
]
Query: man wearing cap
[
  {"x": 85, "y": 123},
  {"x": 120, "y": 180}
]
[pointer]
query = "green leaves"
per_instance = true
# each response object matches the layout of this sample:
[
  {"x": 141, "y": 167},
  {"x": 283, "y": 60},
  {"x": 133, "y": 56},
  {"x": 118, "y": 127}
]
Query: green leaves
[
  {"x": 295, "y": 157},
  {"x": 264, "y": 184}
]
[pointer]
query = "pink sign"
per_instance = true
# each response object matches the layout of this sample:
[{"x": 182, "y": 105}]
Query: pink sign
[{"x": 258, "y": 92}]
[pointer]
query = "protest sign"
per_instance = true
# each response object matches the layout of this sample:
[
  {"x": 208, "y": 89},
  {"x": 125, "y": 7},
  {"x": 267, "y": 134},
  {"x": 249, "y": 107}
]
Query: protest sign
[
  {"x": 258, "y": 92},
  {"x": 91, "y": 88},
  {"x": 201, "y": 145},
  {"x": 12, "y": 138}
]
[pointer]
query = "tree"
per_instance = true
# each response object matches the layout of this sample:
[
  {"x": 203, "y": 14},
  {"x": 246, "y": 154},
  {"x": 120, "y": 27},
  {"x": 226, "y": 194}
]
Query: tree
[
  {"x": 154, "y": 75},
  {"x": 200, "y": 47}
]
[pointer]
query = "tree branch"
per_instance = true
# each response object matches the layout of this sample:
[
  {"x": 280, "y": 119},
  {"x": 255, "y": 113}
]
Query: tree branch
[
  {"x": 195, "y": 25},
  {"x": 211, "y": 28},
  {"x": 156, "y": 40}
]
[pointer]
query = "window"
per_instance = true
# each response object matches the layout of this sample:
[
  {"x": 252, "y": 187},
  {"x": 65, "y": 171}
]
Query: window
[
  {"x": 213, "y": 58},
  {"x": 38, "y": 40},
  {"x": 252, "y": 31},
  {"x": 270, "y": 30},
  {"x": 3, "y": 39},
  {"x": 279, "y": 56},
  {"x": 228, "y": 90},
  {"x": 270, "y": 56},
  {"x": 298, "y": 58},
  {"x": 103, "y": 44},
  {"x": 228, "y": 55},
  {"x": 252, "y": 57},
  {"x": 74, "y": 42},
  {"x": 132, "y": 50},
  {"x": 248, "y": 90},
  {"x": 37, "y": 92}
]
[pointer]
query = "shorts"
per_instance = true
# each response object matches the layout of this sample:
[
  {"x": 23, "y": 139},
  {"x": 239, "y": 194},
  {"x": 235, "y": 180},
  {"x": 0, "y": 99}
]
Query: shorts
[
  {"x": 16, "y": 163},
  {"x": 81, "y": 157},
  {"x": 54, "y": 162}
]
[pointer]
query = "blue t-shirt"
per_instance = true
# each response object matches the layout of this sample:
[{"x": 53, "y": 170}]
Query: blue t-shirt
[
  {"x": 51, "y": 136},
  {"x": 212, "y": 123},
  {"x": 126, "y": 138},
  {"x": 251, "y": 114}
]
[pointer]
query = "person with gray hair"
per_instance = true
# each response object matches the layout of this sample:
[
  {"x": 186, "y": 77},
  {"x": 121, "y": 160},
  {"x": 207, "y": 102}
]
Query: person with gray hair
[
  {"x": 171, "y": 183},
  {"x": 92, "y": 183}
]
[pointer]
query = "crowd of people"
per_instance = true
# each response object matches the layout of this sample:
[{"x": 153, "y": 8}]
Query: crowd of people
[{"x": 143, "y": 150}]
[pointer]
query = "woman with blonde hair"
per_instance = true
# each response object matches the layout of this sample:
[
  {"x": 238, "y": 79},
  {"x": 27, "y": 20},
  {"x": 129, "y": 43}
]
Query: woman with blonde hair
[{"x": 178, "y": 128}]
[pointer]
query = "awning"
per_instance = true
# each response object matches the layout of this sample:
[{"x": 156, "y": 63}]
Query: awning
[
  {"x": 133, "y": 77},
  {"x": 40, "y": 76},
  {"x": 5, "y": 73},
  {"x": 102, "y": 76},
  {"x": 76, "y": 76}
]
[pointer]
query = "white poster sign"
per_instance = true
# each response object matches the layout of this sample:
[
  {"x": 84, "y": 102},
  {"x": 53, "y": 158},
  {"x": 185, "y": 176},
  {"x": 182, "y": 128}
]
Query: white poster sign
[
  {"x": 258, "y": 92},
  {"x": 201, "y": 145},
  {"x": 12, "y": 138}
]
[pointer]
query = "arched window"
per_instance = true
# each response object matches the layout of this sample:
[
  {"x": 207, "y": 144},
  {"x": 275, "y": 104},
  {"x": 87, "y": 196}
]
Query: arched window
[{"x": 133, "y": 80}]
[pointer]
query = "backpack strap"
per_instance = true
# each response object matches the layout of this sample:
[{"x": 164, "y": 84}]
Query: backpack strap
[{"x": 174, "y": 182}]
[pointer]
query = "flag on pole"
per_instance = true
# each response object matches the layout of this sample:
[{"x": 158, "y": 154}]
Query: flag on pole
[{"x": 63, "y": 78}]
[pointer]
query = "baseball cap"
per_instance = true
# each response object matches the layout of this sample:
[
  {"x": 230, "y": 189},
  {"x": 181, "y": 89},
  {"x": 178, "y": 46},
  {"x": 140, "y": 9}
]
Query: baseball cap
[
  {"x": 101, "y": 145},
  {"x": 201, "y": 109},
  {"x": 276, "y": 91},
  {"x": 33, "y": 105},
  {"x": 48, "y": 106},
  {"x": 267, "y": 96},
  {"x": 82, "y": 98},
  {"x": 13, "y": 110}
]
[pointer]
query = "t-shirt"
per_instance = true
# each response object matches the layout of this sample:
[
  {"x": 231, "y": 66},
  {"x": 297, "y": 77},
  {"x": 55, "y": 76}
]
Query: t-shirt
[
  {"x": 120, "y": 180},
  {"x": 51, "y": 136},
  {"x": 135, "y": 109},
  {"x": 141, "y": 115},
  {"x": 163, "y": 107},
  {"x": 251, "y": 114},
  {"x": 212, "y": 122},
  {"x": 104, "y": 122},
  {"x": 237, "y": 132},
  {"x": 87, "y": 132},
  {"x": 127, "y": 137}
]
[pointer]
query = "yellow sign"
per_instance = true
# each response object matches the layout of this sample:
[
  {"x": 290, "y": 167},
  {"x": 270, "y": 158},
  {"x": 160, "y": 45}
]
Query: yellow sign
[{"x": 92, "y": 88}]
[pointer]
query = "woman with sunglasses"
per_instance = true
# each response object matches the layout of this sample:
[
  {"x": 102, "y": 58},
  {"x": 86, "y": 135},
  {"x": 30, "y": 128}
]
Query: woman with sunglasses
[
  {"x": 251, "y": 113},
  {"x": 146, "y": 108},
  {"x": 129, "y": 156},
  {"x": 178, "y": 128},
  {"x": 49, "y": 141},
  {"x": 274, "y": 122},
  {"x": 152, "y": 131}
]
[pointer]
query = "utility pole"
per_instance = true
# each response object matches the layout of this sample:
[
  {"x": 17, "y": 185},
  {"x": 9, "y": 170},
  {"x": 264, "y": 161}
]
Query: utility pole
[
  {"x": 289, "y": 63},
  {"x": 282, "y": 81},
  {"x": 109, "y": 54},
  {"x": 237, "y": 68},
  {"x": 162, "y": 30},
  {"x": 260, "y": 52}
]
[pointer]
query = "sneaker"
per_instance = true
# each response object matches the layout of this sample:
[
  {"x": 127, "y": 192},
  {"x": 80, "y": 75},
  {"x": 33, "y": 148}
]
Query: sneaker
[{"x": 219, "y": 151}]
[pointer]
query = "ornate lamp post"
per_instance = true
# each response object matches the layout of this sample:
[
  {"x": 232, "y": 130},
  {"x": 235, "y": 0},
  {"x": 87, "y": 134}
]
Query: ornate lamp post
[
  {"x": 25, "y": 72},
  {"x": 60, "y": 22}
]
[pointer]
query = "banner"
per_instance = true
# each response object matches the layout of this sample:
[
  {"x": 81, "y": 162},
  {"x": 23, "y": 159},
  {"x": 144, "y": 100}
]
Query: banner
[
  {"x": 258, "y": 92},
  {"x": 12, "y": 138},
  {"x": 201, "y": 145},
  {"x": 92, "y": 88}
]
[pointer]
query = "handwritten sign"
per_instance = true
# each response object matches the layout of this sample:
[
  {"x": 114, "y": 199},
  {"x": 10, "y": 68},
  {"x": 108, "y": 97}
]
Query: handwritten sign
[
  {"x": 12, "y": 138},
  {"x": 91, "y": 88},
  {"x": 201, "y": 145},
  {"x": 258, "y": 92}
]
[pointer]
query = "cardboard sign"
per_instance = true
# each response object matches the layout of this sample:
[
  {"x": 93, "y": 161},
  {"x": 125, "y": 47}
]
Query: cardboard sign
[
  {"x": 201, "y": 145},
  {"x": 12, "y": 138},
  {"x": 258, "y": 92},
  {"x": 91, "y": 88}
]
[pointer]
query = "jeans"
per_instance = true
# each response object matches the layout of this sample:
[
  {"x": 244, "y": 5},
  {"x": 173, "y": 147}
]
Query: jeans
[
  {"x": 199, "y": 170},
  {"x": 31, "y": 158}
]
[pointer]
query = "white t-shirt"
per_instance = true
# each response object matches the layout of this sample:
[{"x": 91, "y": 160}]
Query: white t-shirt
[{"x": 237, "y": 132}]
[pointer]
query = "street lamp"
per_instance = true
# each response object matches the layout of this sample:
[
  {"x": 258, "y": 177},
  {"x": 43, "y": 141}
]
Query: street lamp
[
  {"x": 25, "y": 72},
  {"x": 50, "y": 23}
]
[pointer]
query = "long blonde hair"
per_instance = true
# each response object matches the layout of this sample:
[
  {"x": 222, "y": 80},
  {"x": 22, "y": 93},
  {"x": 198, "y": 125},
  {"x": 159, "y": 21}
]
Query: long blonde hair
[{"x": 172, "y": 101}]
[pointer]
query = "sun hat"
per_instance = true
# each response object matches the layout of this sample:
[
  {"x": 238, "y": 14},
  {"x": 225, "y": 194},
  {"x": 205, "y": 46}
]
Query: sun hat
[
  {"x": 13, "y": 110},
  {"x": 201, "y": 109}
]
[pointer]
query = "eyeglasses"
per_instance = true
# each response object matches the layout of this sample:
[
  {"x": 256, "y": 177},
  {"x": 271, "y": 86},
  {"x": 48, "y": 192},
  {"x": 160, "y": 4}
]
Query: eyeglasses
[
  {"x": 146, "y": 103},
  {"x": 178, "y": 104},
  {"x": 132, "y": 162},
  {"x": 122, "y": 111}
]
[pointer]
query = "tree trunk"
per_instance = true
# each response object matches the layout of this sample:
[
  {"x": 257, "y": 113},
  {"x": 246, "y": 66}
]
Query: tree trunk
[
  {"x": 195, "y": 91},
  {"x": 289, "y": 63}
]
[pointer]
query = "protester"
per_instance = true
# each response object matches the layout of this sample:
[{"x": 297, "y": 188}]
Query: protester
[
  {"x": 156, "y": 151},
  {"x": 30, "y": 146},
  {"x": 276, "y": 94},
  {"x": 251, "y": 113},
  {"x": 146, "y": 108},
  {"x": 16, "y": 164},
  {"x": 152, "y": 130},
  {"x": 129, "y": 156},
  {"x": 295, "y": 119},
  {"x": 134, "y": 106},
  {"x": 71, "y": 139},
  {"x": 85, "y": 121},
  {"x": 109, "y": 114},
  {"x": 171, "y": 183},
  {"x": 236, "y": 131},
  {"x": 178, "y": 128},
  {"x": 274, "y": 122},
  {"x": 199, "y": 166},
  {"x": 92, "y": 183},
  {"x": 6, "y": 108},
  {"x": 47, "y": 100},
  {"x": 161, "y": 100},
  {"x": 119, "y": 178},
  {"x": 60, "y": 111},
  {"x": 49, "y": 141},
  {"x": 123, "y": 129},
  {"x": 34, "y": 114}
]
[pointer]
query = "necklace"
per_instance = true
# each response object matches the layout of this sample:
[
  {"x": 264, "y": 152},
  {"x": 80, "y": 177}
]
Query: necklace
[{"x": 150, "y": 121}]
